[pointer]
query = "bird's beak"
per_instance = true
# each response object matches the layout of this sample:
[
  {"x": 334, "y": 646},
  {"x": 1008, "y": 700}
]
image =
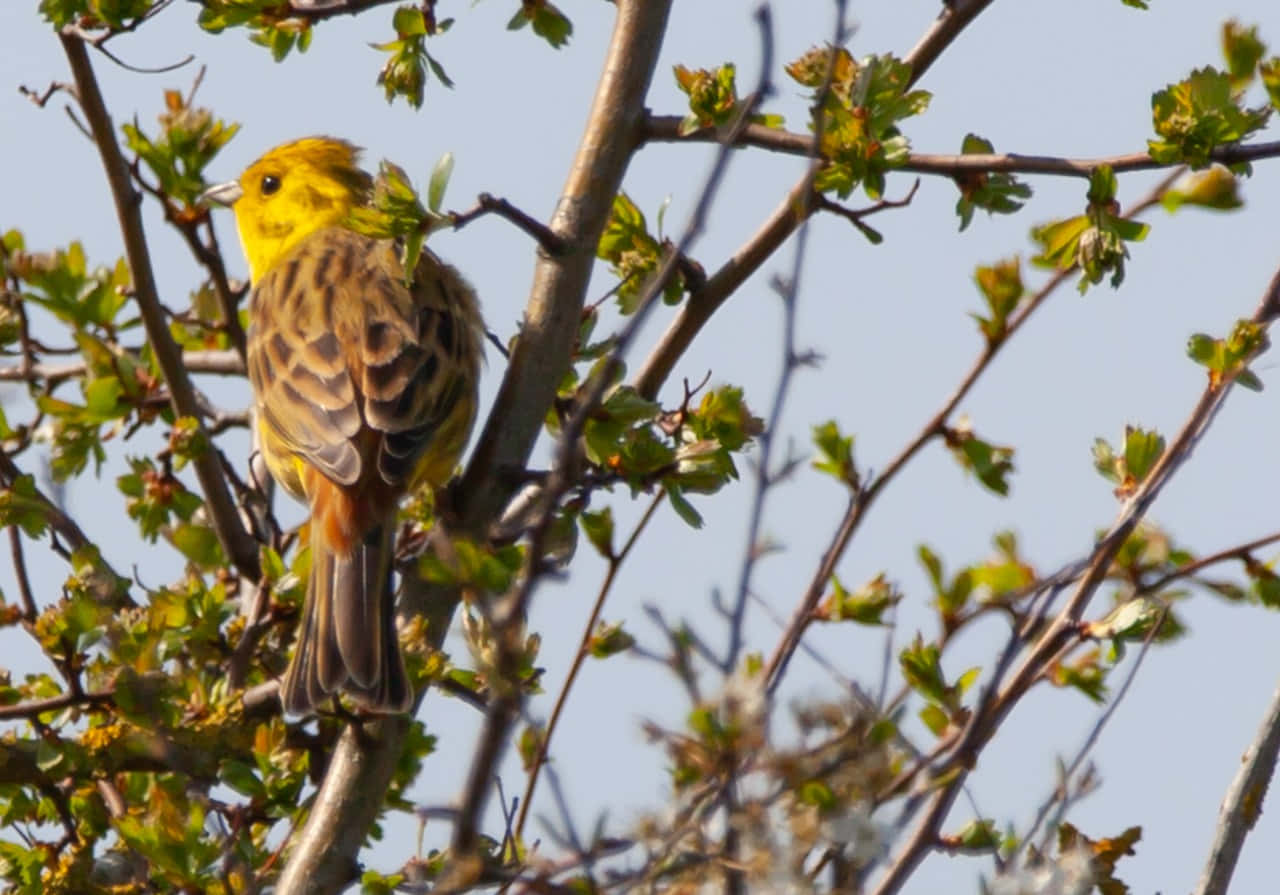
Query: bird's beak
[{"x": 222, "y": 194}]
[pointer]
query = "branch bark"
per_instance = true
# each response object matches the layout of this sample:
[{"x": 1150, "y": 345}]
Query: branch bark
[
  {"x": 351, "y": 796},
  {"x": 1243, "y": 803}
]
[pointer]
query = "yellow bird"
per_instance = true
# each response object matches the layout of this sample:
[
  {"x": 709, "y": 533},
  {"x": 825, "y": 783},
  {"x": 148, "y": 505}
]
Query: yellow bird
[{"x": 365, "y": 390}]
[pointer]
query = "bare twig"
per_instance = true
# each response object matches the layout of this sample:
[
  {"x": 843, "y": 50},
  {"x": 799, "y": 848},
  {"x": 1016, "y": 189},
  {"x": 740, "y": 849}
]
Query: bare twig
[
  {"x": 615, "y": 563},
  {"x": 551, "y": 243},
  {"x": 1091, "y": 740},
  {"x": 225, "y": 363},
  {"x": 1241, "y": 552},
  {"x": 235, "y": 539},
  {"x": 29, "y": 610},
  {"x": 953, "y": 19},
  {"x": 41, "y": 97}
]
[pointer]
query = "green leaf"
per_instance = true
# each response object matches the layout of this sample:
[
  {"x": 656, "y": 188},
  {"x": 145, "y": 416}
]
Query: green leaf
[
  {"x": 440, "y": 175},
  {"x": 866, "y": 606},
  {"x": 21, "y": 505},
  {"x": 609, "y": 640},
  {"x": 1131, "y": 620},
  {"x": 1243, "y": 50},
  {"x": 1269, "y": 71},
  {"x": 598, "y": 527},
  {"x": 995, "y": 192},
  {"x": 923, "y": 671},
  {"x": 1002, "y": 289},
  {"x": 1215, "y": 187},
  {"x": 1227, "y": 359},
  {"x": 976, "y": 837},
  {"x": 990, "y": 464},
  {"x": 199, "y": 544},
  {"x": 683, "y": 508},
  {"x": 1195, "y": 116},
  {"x": 1129, "y": 467},
  {"x": 835, "y": 453},
  {"x": 857, "y": 106},
  {"x": 548, "y": 22}
]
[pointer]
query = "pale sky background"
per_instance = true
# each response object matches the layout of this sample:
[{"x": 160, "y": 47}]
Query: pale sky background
[{"x": 1034, "y": 77}]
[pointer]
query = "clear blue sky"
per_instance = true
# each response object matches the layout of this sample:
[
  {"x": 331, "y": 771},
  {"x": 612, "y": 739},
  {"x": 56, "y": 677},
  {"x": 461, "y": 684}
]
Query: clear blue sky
[{"x": 891, "y": 321}]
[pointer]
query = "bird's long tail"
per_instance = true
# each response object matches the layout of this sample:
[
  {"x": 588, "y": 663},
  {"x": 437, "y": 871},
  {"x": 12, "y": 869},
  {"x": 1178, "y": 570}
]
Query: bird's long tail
[{"x": 347, "y": 637}]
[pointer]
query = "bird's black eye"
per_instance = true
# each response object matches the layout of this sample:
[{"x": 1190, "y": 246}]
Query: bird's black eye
[{"x": 270, "y": 183}]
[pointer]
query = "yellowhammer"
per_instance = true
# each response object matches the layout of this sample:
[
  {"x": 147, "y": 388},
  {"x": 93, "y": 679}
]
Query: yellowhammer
[{"x": 365, "y": 389}]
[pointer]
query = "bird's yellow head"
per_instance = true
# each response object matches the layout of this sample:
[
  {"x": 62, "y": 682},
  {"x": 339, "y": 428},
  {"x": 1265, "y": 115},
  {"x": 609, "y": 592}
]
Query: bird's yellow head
[{"x": 290, "y": 193}]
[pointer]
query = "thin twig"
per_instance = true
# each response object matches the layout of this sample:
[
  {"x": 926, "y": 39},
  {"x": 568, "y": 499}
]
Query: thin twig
[
  {"x": 1091, "y": 739},
  {"x": 666, "y": 129},
  {"x": 860, "y": 502},
  {"x": 1240, "y": 552},
  {"x": 998, "y": 699},
  {"x": 510, "y": 615},
  {"x": 29, "y": 610},
  {"x": 615, "y": 563},
  {"x": 550, "y": 242},
  {"x": 787, "y": 292}
]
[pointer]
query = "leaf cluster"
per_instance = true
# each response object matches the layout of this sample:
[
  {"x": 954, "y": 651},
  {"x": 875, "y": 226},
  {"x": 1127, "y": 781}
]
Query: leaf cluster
[
  {"x": 857, "y": 105},
  {"x": 993, "y": 191},
  {"x": 1094, "y": 241},
  {"x": 713, "y": 98},
  {"x": 189, "y": 138},
  {"x": 634, "y": 255}
]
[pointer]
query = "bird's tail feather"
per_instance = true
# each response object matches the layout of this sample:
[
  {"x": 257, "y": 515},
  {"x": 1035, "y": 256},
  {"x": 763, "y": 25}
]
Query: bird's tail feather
[{"x": 347, "y": 638}]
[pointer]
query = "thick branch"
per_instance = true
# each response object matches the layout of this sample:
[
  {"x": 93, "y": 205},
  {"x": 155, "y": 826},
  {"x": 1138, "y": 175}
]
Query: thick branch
[
  {"x": 235, "y": 540},
  {"x": 352, "y": 793},
  {"x": 1243, "y": 803},
  {"x": 945, "y": 29}
]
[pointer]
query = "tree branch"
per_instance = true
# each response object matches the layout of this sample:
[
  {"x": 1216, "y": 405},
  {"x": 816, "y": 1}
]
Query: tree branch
[
  {"x": 1242, "y": 804},
  {"x": 795, "y": 207},
  {"x": 352, "y": 793},
  {"x": 235, "y": 539},
  {"x": 666, "y": 129},
  {"x": 224, "y": 363},
  {"x": 108, "y": 585},
  {"x": 997, "y": 702}
]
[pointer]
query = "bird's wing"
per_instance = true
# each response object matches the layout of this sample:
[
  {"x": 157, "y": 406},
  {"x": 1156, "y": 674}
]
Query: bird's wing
[{"x": 354, "y": 371}]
